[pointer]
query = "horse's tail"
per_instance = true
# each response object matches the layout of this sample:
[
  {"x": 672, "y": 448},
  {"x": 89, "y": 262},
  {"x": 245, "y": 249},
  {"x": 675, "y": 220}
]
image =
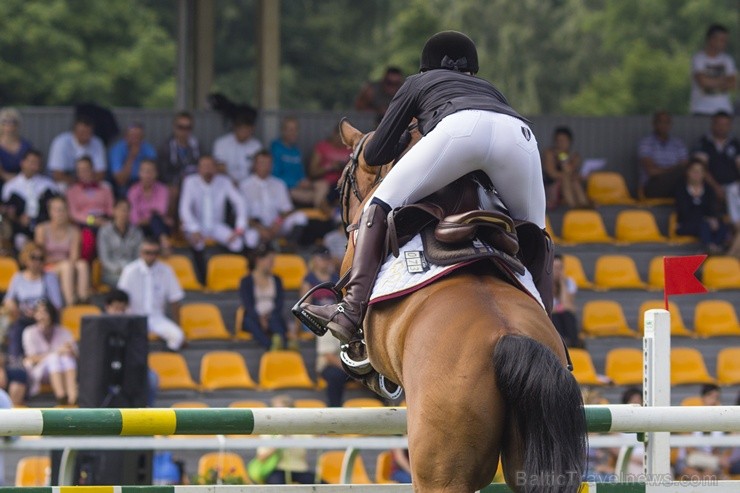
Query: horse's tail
[{"x": 545, "y": 402}]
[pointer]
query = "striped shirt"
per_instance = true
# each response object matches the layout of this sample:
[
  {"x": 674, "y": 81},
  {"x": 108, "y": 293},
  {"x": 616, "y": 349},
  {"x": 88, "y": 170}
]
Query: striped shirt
[{"x": 664, "y": 154}]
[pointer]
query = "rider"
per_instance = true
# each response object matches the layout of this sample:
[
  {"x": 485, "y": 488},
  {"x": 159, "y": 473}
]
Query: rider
[{"x": 467, "y": 125}]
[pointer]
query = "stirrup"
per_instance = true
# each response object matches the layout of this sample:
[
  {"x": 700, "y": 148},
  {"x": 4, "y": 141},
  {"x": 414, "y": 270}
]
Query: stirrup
[
  {"x": 306, "y": 319},
  {"x": 382, "y": 386},
  {"x": 354, "y": 357}
]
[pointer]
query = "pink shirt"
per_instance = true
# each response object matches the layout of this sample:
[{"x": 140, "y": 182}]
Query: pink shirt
[
  {"x": 143, "y": 204},
  {"x": 89, "y": 200},
  {"x": 35, "y": 343},
  {"x": 329, "y": 155}
]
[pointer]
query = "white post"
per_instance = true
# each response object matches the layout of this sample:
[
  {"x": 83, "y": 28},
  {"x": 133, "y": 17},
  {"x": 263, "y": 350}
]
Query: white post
[{"x": 657, "y": 389}]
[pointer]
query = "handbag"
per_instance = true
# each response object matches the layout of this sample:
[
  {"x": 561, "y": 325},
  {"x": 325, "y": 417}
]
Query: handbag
[{"x": 259, "y": 470}]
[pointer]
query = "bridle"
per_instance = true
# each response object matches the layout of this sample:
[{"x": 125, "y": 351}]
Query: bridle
[{"x": 349, "y": 186}]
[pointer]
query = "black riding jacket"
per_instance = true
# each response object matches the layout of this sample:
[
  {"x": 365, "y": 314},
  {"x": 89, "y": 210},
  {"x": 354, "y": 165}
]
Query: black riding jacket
[{"x": 430, "y": 96}]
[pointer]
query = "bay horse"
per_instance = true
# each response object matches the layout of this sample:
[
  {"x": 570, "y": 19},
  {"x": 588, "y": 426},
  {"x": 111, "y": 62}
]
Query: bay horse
[{"x": 482, "y": 367}]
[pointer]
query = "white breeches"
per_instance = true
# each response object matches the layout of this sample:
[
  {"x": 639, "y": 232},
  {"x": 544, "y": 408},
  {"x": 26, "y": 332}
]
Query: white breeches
[
  {"x": 166, "y": 330},
  {"x": 222, "y": 232},
  {"x": 500, "y": 145}
]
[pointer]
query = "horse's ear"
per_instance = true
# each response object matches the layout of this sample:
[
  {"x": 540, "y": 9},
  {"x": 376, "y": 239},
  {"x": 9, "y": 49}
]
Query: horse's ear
[{"x": 350, "y": 135}]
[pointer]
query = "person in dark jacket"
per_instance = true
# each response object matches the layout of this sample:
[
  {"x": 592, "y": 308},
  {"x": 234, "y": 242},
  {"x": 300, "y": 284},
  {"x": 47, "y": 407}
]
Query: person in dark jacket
[{"x": 697, "y": 209}]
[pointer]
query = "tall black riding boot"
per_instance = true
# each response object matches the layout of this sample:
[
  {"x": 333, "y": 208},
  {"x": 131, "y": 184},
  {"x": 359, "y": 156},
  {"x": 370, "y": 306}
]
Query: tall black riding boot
[{"x": 344, "y": 319}]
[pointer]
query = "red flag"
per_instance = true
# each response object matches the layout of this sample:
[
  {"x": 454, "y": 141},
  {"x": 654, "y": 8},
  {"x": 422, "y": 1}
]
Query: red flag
[{"x": 679, "y": 275}]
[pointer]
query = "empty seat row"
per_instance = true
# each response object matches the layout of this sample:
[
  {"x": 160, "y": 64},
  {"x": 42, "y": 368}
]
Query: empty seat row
[
  {"x": 712, "y": 318},
  {"x": 301, "y": 403},
  {"x": 632, "y": 226},
  {"x": 620, "y": 272},
  {"x": 624, "y": 366}
]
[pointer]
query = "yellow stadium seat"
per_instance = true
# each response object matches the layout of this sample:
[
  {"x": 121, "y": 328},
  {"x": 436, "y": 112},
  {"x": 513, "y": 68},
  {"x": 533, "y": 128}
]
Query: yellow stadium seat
[
  {"x": 656, "y": 274},
  {"x": 713, "y": 318},
  {"x": 291, "y": 269},
  {"x": 678, "y": 328},
  {"x": 248, "y": 404},
  {"x": 329, "y": 468},
  {"x": 384, "y": 468},
  {"x": 71, "y": 317},
  {"x": 624, "y": 366},
  {"x": 239, "y": 334},
  {"x": 202, "y": 321},
  {"x": 608, "y": 188},
  {"x": 584, "y": 226},
  {"x": 96, "y": 277},
  {"x": 605, "y": 318},
  {"x": 8, "y": 268},
  {"x": 172, "y": 371},
  {"x": 617, "y": 272},
  {"x": 314, "y": 213},
  {"x": 574, "y": 269},
  {"x": 550, "y": 231},
  {"x": 676, "y": 238},
  {"x": 728, "y": 366},
  {"x": 284, "y": 370},
  {"x": 189, "y": 405},
  {"x": 224, "y": 370},
  {"x": 583, "y": 367},
  {"x": 693, "y": 400},
  {"x": 184, "y": 271},
  {"x": 223, "y": 465},
  {"x": 637, "y": 226},
  {"x": 225, "y": 271},
  {"x": 362, "y": 402},
  {"x": 687, "y": 367},
  {"x": 721, "y": 273},
  {"x": 33, "y": 471}
]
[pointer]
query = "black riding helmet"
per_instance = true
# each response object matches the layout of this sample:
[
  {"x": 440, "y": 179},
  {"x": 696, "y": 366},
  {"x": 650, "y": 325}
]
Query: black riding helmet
[{"x": 450, "y": 50}]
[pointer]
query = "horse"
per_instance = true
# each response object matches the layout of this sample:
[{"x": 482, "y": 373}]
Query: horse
[{"x": 482, "y": 367}]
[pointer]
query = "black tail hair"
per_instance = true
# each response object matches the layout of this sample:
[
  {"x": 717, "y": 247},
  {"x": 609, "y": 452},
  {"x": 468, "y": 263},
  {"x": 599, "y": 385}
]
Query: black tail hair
[{"x": 546, "y": 402}]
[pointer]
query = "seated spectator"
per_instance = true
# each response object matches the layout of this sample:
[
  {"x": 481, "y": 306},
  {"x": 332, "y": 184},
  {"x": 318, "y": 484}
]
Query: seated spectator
[
  {"x": 51, "y": 355},
  {"x": 321, "y": 269},
  {"x": 262, "y": 296},
  {"x": 328, "y": 160},
  {"x": 733, "y": 210},
  {"x": 401, "y": 470},
  {"x": 152, "y": 287},
  {"x": 288, "y": 166},
  {"x": 268, "y": 204},
  {"x": 25, "y": 198},
  {"x": 636, "y": 466},
  {"x": 61, "y": 241},
  {"x": 562, "y": 172},
  {"x": 149, "y": 201},
  {"x": 118, "y": 243},
  {"x": 336, "y": 242},
  {"x": 720, "y": 151},
  {"x": 663, "y": 159},
  {"x": 704, "y": 462},
  {"x": 125, "y": 157},
  {"x": 564, "y": 307},
  {"x": 13, "y": 379},
  {"x": 329, "y": 367},
  {"x": 68, "y": 147},
  {"x": 376, "y": 96},
  {"x": 178, "y": 157},
  {"x": 697, "y": 211},
  {"x": 25, "y": 290},
  {"x": 13, "y": 147},
  {"x": 235, "y": 151},
  {"x": 90, "y": 205},
  {"x": 203, "y": 203}
]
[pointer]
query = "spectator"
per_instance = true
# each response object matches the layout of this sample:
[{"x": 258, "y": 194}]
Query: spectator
[
  {"x": 401, "y": 470},
  {"x": 13, "y": 379},
  {"x": 262, "y": 296},
  {"x": 149, "y": 201},
  {"x": 336, "y": 242},
  {"x": 564, "y": 307},
  {"x": 90, "y": 205},
  {"x": 68, "y": 147},
  {"x": 178, "y": 155},
  {"x": 125, "y": 157},
  {"x": 151, "y": 286},
  {"x": 13, "y": 147},
  {"x": 733, "y": 210},
  {"x": 632, "y": 395},
  {"x": 268, "y": 203},
  {"x": 328, "y": 160},
  {"x": 636, "y": 466},
  {"x": 562, "y": 166},
  {"x": 713, "y": 74},
  {"x": 376, "y": 96},
  {"x": 25, "y": 290},
  {"x": 288, "y": 166},
  {"x": 697, "y": 211},
  {"x": 321, "y": 269},
  {"x": 61, "y": 241},
  {"x": 5, "y": 403},
  {"x": 118, "y": 243},
  {"x": 663, "y": 159},
  {"x": 25, "y": 198},
  {"x": 51, "y": 355},
  {"x": 203, "y": 202},
  {"x": 704, "y": 462},
  {"x": 720, "y": 151},
  {"x": 734, "y": 459},
  {"x": 235, "y": 151}
]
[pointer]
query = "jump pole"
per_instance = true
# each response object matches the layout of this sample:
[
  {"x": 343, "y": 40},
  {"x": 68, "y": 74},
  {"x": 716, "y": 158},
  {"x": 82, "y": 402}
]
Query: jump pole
[{"x": 656, "y": 345}]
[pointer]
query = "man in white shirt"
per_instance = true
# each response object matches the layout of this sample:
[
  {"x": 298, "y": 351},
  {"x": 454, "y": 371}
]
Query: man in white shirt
[
  {"x": 152, "y": 286},
  {"x": 68, "y": 147},
  {"x": 271, "y": 211},
  {"x": 203, "y": 213},
  {"x": 24, "y": 198},
  {"x": 236, "y": 150},
  {"x": 713, "y": 74}
]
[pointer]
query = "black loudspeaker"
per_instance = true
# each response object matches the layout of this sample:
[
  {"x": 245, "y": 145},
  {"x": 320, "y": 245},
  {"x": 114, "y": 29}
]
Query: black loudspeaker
[
  {"x": 107, "y": 467},
  {"x": 113, "y": 361}
]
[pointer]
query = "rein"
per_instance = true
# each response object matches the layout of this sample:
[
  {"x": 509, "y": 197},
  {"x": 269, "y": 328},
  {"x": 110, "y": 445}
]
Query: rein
[{"x": 349, "y": 182}]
